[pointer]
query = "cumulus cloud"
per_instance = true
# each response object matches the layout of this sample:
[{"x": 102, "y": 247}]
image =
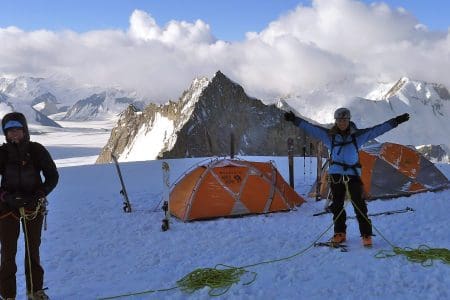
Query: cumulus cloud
[{"x": 305, "y": 49}]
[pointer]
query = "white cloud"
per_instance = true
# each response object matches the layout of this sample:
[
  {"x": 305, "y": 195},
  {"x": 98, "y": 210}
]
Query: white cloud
[
  {"x": 144, "y": 27},
  {"x": 304, "y": 49}
]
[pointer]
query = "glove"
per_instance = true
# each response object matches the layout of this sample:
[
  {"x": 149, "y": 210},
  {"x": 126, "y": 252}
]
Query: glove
[
  {"x": 289, "y": 116},
  {"x": 401, "y": 118},
  {"x": 15, "y": 201}
]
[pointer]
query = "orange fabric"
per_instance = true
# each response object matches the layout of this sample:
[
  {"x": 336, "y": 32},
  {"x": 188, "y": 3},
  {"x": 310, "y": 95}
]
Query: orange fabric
[
  {"x": 397, "y": 168},
  {"x": 229, "y": 188},
  {"x": 406, "y": 160},
  {"x": 256, "y": 194},
  {"x": 416, "y": 187},
  {"x": 181, "y": 193},
  {"x": 232, "y": 176},
  {"x": 210, "y": 200},
  {"x": 367, "y": 162}
]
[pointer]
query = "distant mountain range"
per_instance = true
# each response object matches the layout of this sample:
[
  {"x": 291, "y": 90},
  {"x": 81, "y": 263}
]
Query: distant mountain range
[
  {"x": 223, "y": 107},
  {"x": 200, "y": 123},
  {"x": 39, "y": 98}
]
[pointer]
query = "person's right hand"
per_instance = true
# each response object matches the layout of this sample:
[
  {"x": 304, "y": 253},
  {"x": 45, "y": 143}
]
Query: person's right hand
[{"x": 289, "y": 116}]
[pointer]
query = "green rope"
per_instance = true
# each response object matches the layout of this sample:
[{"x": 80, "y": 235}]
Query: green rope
[
  {"x": 220, "y": 280},
  {"x": 214, "y": 278},
  {"x": 138, "y": 293},
  {"x": 423, "y": 254}
]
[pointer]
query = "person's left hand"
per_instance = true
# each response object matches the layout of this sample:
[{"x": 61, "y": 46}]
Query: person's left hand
[
  {"x": 402, "y": 118},
  {"x": 289, "y": 116}
]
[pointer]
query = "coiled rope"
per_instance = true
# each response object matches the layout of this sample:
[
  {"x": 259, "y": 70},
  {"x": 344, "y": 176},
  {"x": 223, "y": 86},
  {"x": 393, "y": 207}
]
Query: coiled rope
[
  {"x": 220, "y": 278},
  {"x": 424, "y": 254}
]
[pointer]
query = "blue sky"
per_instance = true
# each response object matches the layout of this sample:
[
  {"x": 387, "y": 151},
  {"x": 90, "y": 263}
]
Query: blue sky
[{"x": 229, "y": 19}]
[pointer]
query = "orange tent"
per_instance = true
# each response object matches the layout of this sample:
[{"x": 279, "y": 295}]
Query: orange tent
[
  {"x": 392, "y": 170},
  {"x": 231, "y": 188}
]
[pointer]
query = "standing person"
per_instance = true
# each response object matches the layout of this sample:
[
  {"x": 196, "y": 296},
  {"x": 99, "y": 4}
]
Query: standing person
[
  {"x": 22, "y": 197},
  {"x": 344, "y": 141}
]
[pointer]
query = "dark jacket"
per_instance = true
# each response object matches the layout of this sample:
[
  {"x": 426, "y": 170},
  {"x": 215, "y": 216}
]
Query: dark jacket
[{"x": 21, "y": 166}]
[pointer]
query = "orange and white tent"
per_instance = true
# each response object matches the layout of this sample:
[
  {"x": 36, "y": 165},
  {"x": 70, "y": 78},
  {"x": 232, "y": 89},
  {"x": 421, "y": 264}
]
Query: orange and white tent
[
  {"x": 231, "y": 188},
  {"x": 391, "y": 170}
]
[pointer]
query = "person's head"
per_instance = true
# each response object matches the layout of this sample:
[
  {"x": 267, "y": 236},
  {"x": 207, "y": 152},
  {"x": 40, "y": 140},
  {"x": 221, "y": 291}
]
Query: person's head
[
  {"x": 15, "y": 127},
  {"x": 342, "y": 116}
]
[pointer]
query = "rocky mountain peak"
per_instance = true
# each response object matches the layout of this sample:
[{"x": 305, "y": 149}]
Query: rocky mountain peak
[{"x": 201, "y": 123}]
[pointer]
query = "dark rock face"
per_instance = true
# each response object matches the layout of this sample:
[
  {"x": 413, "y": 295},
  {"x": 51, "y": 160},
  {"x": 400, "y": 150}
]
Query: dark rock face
[
  {"x": 433, "y": 153},
  {"x": 204, "y": 119},
  {"x": 49, "y": 101}
]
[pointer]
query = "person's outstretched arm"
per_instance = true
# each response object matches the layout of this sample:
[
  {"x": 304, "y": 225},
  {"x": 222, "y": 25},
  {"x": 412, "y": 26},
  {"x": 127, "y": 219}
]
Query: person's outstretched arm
[
  {"x": 316, "y": 131},
  {"x": 367, "y": 134}
]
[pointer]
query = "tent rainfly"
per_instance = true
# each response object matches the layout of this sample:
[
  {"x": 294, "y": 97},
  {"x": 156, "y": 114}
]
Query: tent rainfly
[
  {"x": 226, "y": 187},
  {"x": 392, "y": 170}
]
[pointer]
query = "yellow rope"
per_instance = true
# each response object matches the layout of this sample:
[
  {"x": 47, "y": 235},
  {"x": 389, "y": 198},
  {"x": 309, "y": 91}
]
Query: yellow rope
[
  {"x": 32, "y": 215},
  {"x": 24, "y": 222},
  {"x": 223, "y": 279}
]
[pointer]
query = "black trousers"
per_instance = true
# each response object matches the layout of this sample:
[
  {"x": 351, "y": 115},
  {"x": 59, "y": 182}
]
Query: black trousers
[
  {"x": 338, "y": 191},
  {"x": 9, "y": 234}
]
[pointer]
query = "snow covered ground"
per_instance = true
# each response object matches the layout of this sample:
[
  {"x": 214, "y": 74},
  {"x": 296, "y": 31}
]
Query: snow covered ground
[
  {"x": 92, "y": 249},
  {"x": 77, "y": 143}
]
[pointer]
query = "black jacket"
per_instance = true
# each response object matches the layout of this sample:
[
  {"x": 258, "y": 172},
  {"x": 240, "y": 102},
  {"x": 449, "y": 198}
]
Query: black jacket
[{"x": 21, "y": 165}]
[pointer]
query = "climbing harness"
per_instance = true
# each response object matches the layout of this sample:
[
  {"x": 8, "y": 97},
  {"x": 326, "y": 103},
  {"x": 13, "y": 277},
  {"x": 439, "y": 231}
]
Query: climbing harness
[
  {"x": 41, "y": 208},
  {"x": 345, "y": 166}
]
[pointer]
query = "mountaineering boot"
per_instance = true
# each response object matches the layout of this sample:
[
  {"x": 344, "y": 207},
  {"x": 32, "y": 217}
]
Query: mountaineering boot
[
  {"x": 338, "y": 237},
  {"x": 38, "y": 295},
  {"x": 367, "y": 240}
]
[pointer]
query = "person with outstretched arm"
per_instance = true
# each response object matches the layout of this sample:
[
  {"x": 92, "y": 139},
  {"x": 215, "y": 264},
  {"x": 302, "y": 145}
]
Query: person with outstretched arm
[{"x": 344, "y": 140}]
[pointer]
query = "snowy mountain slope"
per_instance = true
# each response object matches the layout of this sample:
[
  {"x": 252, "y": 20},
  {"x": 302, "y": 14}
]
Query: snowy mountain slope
[
  {"x": 429, "y": 107},
  {"x": 65, "y": 90},
  {"x": 53, "y": 95},
  {"x": 201, "y": 123},
  {"x": 107, "y": 104},
  {"x": 93, "y": 249},
  {"x": 141, "y": 135},
  {"x": 427, "y": 103}
]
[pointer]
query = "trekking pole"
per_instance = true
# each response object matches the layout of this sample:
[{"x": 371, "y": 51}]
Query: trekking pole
[
  {"x": 231, "y": 145},
  {"x": 310, "y": 159},
  {"x": 166, "y": 186},
  {"x": 290, "y": 143},
  {"x": 123, "y": 191},
  {"x": 318, "y": 171},
  {"x": 304, "y": 163}
]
